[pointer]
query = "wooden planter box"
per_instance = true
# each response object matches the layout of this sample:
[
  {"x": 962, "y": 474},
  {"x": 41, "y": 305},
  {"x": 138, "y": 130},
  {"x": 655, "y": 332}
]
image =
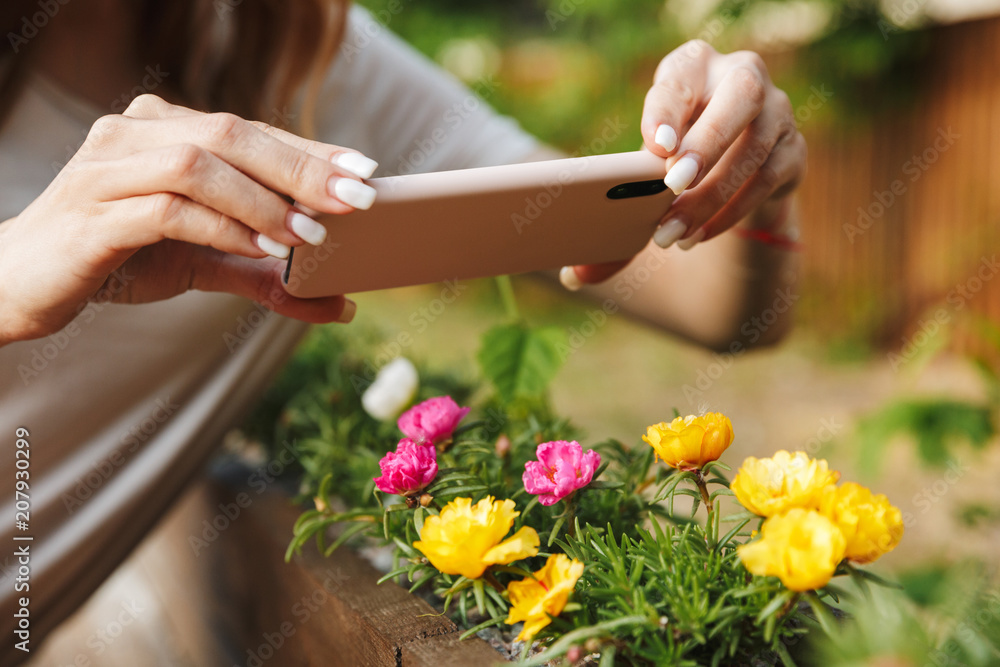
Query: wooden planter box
[{"x": 318, "y": 611}]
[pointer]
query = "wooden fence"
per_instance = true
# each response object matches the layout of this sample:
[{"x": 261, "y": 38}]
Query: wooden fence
[{"x": 902, "y": 213}]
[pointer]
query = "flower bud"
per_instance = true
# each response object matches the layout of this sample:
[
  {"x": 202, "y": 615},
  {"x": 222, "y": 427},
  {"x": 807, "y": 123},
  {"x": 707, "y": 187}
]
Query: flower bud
[
  {"x": 688, "y": 443},
  {"x": 433, "y": 421},
  {"x": 503, "y": 446},
  {"x": 394, "y": 387}
]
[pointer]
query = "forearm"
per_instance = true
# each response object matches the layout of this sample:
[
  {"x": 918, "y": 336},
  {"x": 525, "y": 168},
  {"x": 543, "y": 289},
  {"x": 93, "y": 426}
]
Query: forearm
[{"x": 728, "y": 292}]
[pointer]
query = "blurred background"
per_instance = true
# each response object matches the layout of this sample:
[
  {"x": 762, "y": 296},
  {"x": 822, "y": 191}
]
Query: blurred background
[{"x": 893, "y": 371}]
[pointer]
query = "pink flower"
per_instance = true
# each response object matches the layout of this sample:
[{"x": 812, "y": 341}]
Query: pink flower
[
  {"x": 562, "y": 468},
  {"x": 432, "y": 421},
  {"x": 407, "y": 470}
]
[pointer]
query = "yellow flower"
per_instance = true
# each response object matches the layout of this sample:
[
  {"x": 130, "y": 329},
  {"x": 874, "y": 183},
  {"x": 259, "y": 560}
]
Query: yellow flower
[
  {"x": 465, "y": 539},
  {"x": 688, "y": 443},
  {"x": 870, "y": 524},
  {"x": 801, "y": 547},
  {"x": 536, "y": 600},
  {"x": 771, "y": 486}
]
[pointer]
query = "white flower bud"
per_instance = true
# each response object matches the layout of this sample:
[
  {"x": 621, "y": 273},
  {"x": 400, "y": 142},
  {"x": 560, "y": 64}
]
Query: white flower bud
[{"x": 394, "y": 387}]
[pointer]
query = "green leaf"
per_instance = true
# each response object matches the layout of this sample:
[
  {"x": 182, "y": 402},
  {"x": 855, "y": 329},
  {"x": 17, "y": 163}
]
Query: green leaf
[
  {"x": 348, "y": 533},
  {"x": 521, "y": 361},
  {"x": 934, "y": 424},
  {"x": 582, "y": 634},
  {"x": 482, "y": 626},
  {"x": 597, "y": 486}
]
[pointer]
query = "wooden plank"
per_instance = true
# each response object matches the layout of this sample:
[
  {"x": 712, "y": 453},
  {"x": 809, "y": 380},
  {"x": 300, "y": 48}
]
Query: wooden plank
[{"x": 327, "y": 611}]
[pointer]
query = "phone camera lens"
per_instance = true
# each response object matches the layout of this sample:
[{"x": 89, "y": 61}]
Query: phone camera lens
[{"x": 637, "y": 189}]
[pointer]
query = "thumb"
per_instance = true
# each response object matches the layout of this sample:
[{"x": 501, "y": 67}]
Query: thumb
[
  {"x": 575, "y": 277},
  {"x": 260, "y": 281}
]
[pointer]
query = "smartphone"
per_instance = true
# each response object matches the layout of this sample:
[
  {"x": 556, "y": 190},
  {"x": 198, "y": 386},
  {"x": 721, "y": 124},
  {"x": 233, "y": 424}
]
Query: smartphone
[{"x": 489, "y": 221}]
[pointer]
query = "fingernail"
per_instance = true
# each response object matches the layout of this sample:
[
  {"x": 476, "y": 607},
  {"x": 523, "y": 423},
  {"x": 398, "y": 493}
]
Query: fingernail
[
  {"x": 308, "y": 229},
  {"x": 347, "y": 314},
  {"x": 272, "y": 247},
  {"x": 569, "y": 279},
  {"x": 353, "y": 193},
  {"x": 668, "y": 233},
  {"x": 681, "y": 175},
  {"x": 666, "y": 137},
  {"x": 356, "y": 163},
  {"x": 691, "y": 241}
]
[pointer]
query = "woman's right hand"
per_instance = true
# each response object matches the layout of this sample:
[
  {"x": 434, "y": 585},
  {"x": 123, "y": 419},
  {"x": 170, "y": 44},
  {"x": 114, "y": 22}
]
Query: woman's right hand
[{"x": 174, "y": 200}]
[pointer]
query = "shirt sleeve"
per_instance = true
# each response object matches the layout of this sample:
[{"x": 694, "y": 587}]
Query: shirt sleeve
[{"x": 396, "y": 106}]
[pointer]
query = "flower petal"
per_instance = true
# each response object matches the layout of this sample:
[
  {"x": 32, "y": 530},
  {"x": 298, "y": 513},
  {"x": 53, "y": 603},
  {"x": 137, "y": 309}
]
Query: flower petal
[{"x": 522, "y": 544}]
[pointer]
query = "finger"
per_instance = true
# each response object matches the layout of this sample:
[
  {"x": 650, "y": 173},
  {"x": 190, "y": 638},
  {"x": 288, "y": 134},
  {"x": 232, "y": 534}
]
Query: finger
[
  {"x": 782, "y": 172},
  {"x": 744, "y": 158},
  {"x": 350, "y": 160},
  {"x": 735, "y": 103},
  {"x": 200, "y": 176},
  {"x": 676, "y": 95},
  {"x": 315, "y": 181},
  {"x": 150, "y": 107},
  {"x": 260, "y": 280},
  {"x": 147, "y": 219},
  {"x": 575, "y": 277}
]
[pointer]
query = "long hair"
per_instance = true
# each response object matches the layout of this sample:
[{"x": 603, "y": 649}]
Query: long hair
[{"x": 248, "y": 57}]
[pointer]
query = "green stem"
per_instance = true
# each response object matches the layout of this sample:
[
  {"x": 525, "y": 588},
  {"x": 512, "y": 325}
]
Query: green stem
[
  {"x": 492, "y": 581},
  {"x": 571, "y": 515},
  {"x": 711, "y": 535},
  {"x": 507, "y": 296}
]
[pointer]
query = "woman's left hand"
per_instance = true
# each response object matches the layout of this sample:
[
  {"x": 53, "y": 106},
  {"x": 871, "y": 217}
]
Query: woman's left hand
[{"x": 730, "y": 140}]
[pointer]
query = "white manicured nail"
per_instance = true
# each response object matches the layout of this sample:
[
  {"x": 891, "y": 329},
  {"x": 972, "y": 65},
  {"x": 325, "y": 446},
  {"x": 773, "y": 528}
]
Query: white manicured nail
[
  {"x": 691, "y": 241},
  {"x": 353, "y": 193},
  {"x": 569, "y": 279},
  {"x": 272, "y": 247},
  {"x": 347, "y": 314},
  {"x": 681, "y": 175},
  {"x": 668, "y": 233},
  {"x": 308, "y": 229},
  {"x": 356, "y": 163},
  {"x": 666, "y": 137}
]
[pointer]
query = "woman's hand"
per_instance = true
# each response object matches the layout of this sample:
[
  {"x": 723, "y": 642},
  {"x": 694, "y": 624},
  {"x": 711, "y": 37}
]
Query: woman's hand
[
  {"x": 170, "y": 200},
  {"x": 730, "y": 140}
]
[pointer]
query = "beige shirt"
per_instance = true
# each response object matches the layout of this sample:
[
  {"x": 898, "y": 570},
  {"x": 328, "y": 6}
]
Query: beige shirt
[{"x": 125, "y": 405}]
